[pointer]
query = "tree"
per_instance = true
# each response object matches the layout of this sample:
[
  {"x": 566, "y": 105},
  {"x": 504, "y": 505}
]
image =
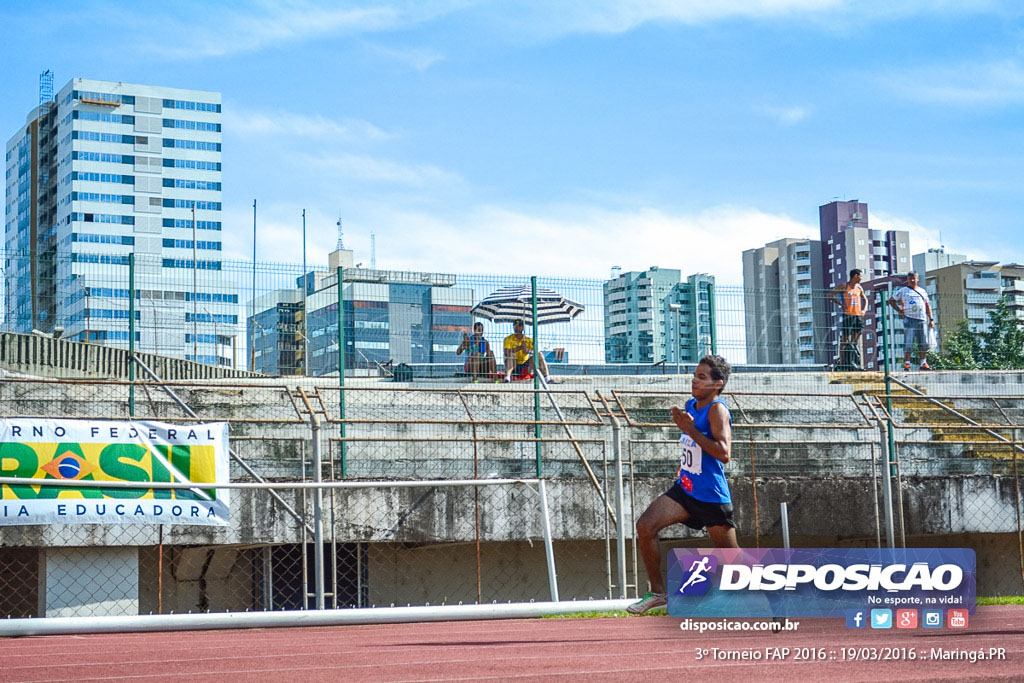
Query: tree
[
  {"x": 962, "y": 350},
  {"x": 1001, "y": 347},
  {"x": 1004, "y": 340}
]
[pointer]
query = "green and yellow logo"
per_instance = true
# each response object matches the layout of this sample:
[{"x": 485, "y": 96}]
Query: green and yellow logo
[{"x": 105, "y": 462}]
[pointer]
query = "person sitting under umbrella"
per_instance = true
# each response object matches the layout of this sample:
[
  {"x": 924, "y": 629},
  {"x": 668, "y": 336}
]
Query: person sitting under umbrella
[
  {"x": 518, "y": 354},
  {"x": 480, "y": 359}
]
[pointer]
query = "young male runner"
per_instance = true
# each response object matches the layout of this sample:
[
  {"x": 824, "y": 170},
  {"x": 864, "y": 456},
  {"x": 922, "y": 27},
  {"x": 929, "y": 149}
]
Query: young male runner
[{"x": 700, "y": 496}]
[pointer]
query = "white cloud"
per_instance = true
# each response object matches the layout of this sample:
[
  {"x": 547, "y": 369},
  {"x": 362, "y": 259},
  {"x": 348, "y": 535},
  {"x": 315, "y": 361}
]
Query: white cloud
[
  {"x": 561, "y": 241},
  {"x": 416, "y": 58},
  {"x": 258, "y": 123},
  {"x": 371, "y": 169},
  {"x": 264, "y": 24},
  {"x": 255, "y": 25},
  {"x": 620, "y": 16},
  {"x": 616, "y": 16},
  {"x": 784, "y": 116},
  {"x": 974, "y": 244},
  {"x": 992, "y": 83},
  {"x": 578, "y": 241},
  {"x": 259, "y": 24}
]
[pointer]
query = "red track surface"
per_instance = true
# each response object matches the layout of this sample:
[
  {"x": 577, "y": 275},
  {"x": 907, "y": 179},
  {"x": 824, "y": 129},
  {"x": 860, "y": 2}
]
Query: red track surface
[{"x": 595, "y": 649}]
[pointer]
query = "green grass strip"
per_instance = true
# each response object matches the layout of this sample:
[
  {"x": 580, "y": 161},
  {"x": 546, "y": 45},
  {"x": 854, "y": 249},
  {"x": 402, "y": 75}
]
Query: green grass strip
[
  {"x": 659, "y": 612},
  {"x": 1003, "y": 600},
  {"x": 662, "y": 612}
]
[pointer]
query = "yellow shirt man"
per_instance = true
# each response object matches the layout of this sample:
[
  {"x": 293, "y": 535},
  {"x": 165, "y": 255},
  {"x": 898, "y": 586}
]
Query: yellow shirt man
[
  {"x": 518, "y": 350},
  {"x": 521, "y": 345}
]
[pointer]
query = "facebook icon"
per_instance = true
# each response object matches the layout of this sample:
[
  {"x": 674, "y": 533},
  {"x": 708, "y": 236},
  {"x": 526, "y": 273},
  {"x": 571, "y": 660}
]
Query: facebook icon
[{"x": 856, "y": 618}]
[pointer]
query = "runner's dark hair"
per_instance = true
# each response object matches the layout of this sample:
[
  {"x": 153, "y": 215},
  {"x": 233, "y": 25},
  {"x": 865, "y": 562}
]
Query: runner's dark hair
[{"x": 719, "y": 367}]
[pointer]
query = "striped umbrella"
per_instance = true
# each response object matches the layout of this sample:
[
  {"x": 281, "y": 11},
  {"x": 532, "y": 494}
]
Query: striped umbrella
[{"x": 509, "y": 304}]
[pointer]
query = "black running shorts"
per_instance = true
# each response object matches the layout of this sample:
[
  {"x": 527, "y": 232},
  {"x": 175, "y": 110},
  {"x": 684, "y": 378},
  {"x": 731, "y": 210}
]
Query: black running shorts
[{"x": 701, "y": 514}]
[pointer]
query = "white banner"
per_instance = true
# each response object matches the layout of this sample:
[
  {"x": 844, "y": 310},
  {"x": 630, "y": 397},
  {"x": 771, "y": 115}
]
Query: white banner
[{"x": 92, "y": 450}]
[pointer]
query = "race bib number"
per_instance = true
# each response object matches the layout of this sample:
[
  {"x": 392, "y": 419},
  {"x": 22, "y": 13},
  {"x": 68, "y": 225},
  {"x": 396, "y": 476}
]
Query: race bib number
[{"x": 692, "y": 456}]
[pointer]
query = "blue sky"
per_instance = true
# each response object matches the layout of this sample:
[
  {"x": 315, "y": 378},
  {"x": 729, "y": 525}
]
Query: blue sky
[{"x": 564, "y": 138}]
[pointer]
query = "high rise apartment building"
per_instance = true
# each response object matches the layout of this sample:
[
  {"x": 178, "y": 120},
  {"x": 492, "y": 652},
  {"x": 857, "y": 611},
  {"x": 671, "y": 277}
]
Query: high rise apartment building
[
  {"x": 687, "y": 314},
  {"x": 642, "y": 323},
  {"x": 848, "y": 242},
  {"x": 109, "y": 169},
  {"x": 784, "y": 310}
]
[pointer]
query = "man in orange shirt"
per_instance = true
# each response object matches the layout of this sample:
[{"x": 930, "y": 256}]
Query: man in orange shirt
[{"x": 854, "y": 304}]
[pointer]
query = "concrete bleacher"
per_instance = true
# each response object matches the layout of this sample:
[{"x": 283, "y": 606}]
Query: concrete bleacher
[{"x": 810, "y": 424}]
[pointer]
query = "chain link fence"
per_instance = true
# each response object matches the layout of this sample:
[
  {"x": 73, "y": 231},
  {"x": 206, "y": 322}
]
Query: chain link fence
[{"x": 179, "y": 299}]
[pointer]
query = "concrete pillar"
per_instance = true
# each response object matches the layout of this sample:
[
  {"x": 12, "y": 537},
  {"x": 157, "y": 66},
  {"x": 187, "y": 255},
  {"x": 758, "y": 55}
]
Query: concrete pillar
[{"x": 78, "y": 582}]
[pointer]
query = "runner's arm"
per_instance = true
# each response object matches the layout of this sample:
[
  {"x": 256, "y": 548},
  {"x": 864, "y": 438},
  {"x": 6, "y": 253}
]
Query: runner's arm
[{"x": 719, "y": 447}]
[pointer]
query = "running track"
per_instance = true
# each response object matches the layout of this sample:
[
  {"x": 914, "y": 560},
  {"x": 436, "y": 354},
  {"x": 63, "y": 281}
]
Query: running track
[{"x": 640, "y": 649}]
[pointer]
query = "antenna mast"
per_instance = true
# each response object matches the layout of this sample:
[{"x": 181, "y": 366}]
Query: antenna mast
[{"x": 373, "y": 251}]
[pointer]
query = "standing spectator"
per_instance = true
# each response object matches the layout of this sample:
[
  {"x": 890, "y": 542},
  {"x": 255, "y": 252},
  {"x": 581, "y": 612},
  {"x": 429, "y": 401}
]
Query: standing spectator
[
  {"x": 854, "y": 304},
  {"x": 911, "y": 302}
]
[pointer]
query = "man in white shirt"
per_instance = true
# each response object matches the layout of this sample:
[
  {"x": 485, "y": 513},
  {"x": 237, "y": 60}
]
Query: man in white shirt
[{"x": 911, "y": 302}]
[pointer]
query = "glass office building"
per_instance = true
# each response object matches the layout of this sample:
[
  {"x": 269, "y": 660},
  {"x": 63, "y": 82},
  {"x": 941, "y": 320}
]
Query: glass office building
[{"x": 109, "y": 169}]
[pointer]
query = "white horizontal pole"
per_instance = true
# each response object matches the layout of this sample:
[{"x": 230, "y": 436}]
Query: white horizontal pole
[
  {"x": 338, "y": 617},
  {"x": 92, "y": 483}
]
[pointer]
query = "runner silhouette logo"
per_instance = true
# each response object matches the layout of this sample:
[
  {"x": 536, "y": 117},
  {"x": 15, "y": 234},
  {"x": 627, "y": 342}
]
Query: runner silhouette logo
[{"x": 697, "y": 580}]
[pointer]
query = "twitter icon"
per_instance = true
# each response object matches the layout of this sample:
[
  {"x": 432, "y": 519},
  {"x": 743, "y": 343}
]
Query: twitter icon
[{"x": 881, "y": 618}]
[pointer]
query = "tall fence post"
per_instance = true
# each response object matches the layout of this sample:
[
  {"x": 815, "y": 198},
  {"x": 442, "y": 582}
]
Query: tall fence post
[
  {"x": 784, "y": 517},
  {"x": 620, "y": 525},
  {"x": 318, "y": 515},
  {"x": 549, "y": 549},
  {"x": 341, "y": 371},
  {"x": 536, "y": 378},
  {"x": 1017, "y": 501},
  {"x": 711, "y": 318},
  {"x": 890, "y": 450},
  {"x": 131, "y": 334}
]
